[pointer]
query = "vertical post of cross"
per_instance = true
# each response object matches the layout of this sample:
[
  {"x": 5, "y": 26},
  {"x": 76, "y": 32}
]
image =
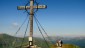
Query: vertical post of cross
[{"x": 31, "y": 23}]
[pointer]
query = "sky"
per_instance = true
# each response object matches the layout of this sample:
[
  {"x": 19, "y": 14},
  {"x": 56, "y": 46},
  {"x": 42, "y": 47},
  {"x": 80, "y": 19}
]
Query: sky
[{"x": 60, "y": 18}]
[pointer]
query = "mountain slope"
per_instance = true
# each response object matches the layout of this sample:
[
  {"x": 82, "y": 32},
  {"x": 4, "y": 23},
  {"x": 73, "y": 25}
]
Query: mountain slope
[
  {"x": 79, "y": 41},
  {"x": 7, "y": 41},
  {"x": 66, "y": 46}
]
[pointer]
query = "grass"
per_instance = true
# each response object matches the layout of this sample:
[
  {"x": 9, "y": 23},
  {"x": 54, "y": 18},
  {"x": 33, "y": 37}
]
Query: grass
[
  {"x": 6, "y": 42},
  {"x": 65, "y": 46}
]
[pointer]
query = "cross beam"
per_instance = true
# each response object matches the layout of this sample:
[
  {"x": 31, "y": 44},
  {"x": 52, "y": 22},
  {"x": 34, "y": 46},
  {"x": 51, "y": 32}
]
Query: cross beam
[
  {"x": 31, "y": 8},
  {"x": 28, "y": 7}
]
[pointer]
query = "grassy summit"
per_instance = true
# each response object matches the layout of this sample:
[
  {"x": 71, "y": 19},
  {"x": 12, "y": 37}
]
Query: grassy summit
[
  {"x": 66, "y": 46},
  {"x": 7, "y": 40}
]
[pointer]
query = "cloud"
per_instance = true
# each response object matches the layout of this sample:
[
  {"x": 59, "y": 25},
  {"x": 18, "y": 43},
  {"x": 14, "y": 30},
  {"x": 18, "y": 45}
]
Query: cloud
[{"x": 15, "y": 24}]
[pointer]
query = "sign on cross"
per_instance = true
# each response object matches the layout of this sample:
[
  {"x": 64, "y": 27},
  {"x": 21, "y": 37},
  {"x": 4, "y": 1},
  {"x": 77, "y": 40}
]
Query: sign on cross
[{"x": 31, "y": 8}]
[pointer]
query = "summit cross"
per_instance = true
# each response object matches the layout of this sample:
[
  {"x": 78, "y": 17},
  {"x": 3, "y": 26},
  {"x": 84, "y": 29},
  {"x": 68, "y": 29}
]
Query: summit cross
[{"x": 31, "y": 8}]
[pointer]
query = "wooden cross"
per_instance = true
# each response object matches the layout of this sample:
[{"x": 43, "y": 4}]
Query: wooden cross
[{"x": 31, "y": 7}]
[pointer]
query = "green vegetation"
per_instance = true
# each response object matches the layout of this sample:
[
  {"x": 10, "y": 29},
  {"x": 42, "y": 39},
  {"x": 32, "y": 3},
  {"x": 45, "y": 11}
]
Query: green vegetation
[
  {"x": 65, "y": 46},
  {"x": 7, "y": 41}
]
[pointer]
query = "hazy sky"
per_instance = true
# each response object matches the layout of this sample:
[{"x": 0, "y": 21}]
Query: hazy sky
[{"x": 62, "y": 17}]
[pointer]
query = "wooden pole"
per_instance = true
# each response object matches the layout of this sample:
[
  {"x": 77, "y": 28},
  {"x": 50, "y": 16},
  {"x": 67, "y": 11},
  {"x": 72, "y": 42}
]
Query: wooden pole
[{"x": 31, "y": 23}]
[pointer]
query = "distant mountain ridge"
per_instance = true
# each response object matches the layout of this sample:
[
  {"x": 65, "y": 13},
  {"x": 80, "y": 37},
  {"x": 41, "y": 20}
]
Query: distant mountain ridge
[
  {"x": 7, "y": 40},
  {"x": 79, "y": 41}
]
